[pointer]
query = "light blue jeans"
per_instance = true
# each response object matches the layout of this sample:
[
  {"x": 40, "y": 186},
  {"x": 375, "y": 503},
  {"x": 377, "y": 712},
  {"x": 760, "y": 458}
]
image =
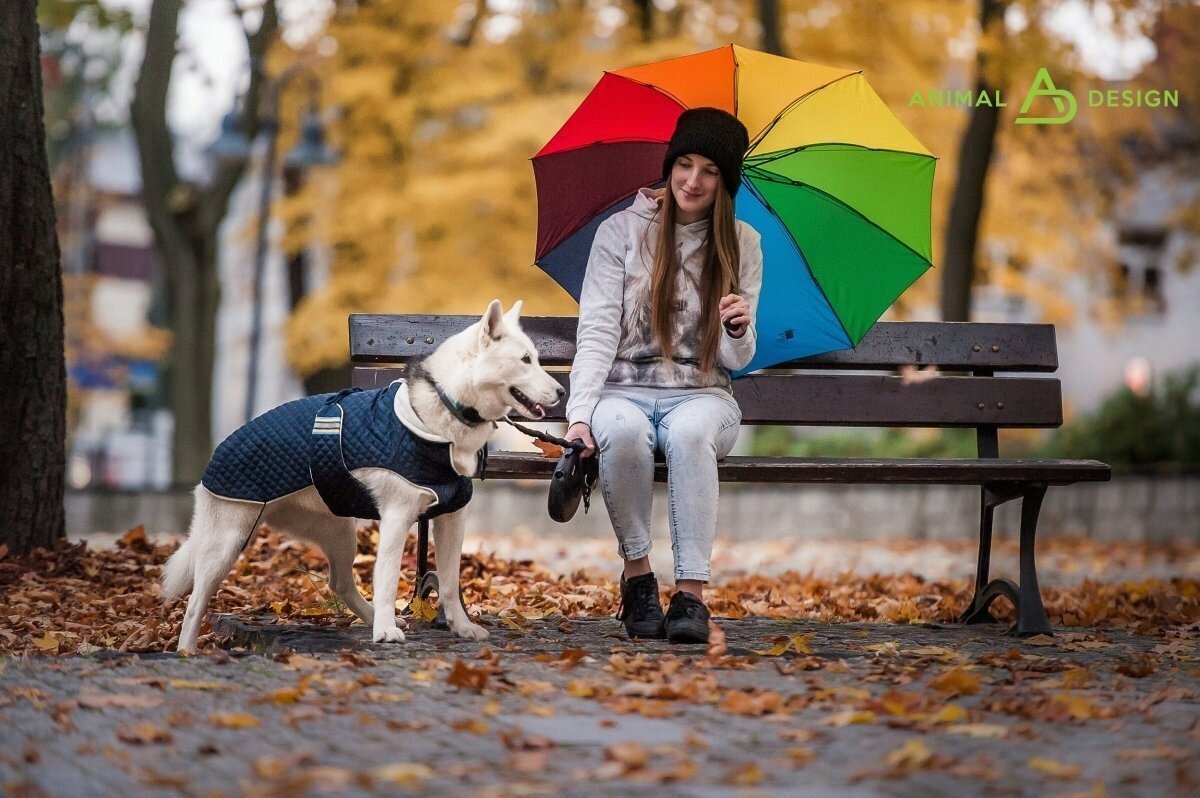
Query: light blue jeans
[{"x": 693, "y": 431}]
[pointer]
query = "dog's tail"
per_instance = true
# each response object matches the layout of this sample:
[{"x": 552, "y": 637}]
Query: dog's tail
[{"x": 179, "y": 572}]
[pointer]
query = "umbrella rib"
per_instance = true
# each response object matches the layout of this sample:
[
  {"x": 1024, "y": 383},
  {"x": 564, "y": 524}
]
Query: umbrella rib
[
  {"x": 794, "y": 103},
  {"x": 599, "y": 141},
  {"x": 783, "y": 226},
  {"x": 775, "y": 155},
  {"x": 658, "y": 89},
  {"x": 772, "y": 177},
  {"x": 737, "y": 74}
]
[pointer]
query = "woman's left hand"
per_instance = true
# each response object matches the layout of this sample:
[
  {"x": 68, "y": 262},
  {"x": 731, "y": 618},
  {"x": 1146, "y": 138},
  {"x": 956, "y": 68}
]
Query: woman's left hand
[{"x": 735, "y": 315}]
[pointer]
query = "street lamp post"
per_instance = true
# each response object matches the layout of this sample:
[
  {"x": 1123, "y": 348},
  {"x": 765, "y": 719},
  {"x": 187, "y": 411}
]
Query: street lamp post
[{"x": 309, "y": 151}]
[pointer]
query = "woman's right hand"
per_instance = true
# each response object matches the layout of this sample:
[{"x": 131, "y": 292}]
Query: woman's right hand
[{"x": 582, "y": 432}]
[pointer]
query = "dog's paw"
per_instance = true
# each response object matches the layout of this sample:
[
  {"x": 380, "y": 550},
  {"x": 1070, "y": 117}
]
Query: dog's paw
[
  {"x": 390, "y": 635},
  {"x": 472, "y": 631}
]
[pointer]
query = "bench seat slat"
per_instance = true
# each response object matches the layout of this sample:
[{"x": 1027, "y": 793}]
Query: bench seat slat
[
  {"x": 865, "y": 400},
  {"x": 530, "y": 465},
  {"x": 384, "y": 338}
]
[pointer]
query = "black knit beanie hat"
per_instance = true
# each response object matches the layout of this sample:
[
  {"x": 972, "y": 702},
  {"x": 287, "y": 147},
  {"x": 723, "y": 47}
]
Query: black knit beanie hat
[{"x": 717, "y": 135}]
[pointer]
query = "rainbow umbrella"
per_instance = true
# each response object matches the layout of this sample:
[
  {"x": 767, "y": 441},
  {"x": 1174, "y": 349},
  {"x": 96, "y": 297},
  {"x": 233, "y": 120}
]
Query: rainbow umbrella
[{"x": 839, "y": 190}]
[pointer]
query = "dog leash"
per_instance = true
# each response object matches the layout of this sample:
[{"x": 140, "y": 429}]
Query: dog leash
[{"x": 544, "y": 437}]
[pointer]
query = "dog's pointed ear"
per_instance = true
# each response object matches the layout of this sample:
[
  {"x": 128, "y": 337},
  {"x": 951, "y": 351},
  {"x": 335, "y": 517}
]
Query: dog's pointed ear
[
  {"x": 489, "y": 325},
  {"x": 514, "y": 313}
]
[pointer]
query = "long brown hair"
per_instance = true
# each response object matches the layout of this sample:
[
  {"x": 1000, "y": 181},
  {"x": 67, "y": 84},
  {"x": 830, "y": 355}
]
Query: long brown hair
[{"x": 718, "y": 277}]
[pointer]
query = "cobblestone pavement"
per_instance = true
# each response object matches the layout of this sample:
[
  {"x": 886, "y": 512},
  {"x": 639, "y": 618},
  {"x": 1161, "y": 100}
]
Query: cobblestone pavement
[{"x": 570, "y": 707}]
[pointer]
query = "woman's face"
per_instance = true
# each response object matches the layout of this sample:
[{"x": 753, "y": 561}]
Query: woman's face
[{"x": 694, "y": 184}]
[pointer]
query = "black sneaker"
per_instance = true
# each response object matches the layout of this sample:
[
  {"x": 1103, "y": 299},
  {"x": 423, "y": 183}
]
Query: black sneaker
[
  {"x": 640, "y": 609},
  {"x": 687, "y": 619}
]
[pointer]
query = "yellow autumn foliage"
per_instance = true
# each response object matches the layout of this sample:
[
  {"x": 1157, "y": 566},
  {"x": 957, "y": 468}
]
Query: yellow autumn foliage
[{"x": 432, "y": 207}]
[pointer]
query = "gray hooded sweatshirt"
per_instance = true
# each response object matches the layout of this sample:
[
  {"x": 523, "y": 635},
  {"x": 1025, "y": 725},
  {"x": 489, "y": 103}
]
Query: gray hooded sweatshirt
[{"x": 615, "y": 347}]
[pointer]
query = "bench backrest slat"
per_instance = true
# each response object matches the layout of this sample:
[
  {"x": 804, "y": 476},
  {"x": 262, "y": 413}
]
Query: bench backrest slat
[
  {"x": 865, "y": 400},
  {"x": 390, "y": 338}
]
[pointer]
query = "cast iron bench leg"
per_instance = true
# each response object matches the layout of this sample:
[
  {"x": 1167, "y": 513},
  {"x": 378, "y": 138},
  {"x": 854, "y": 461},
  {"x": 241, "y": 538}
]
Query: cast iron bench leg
[
  {"x": 1026, "y": 598},
  {"x": 978, "y": 611},
  {"x": 427, "y": 581},
  {"x": 1031, "y": 615}
]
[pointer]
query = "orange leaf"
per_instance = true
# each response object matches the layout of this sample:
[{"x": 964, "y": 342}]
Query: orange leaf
[
  {"x": 1055, "y": 769},
  {"x": 234, "y": 720},
  {"x": 472, "y": 725},
  {"x": 550, "y": 450},
  {"x": 746, "y": 776},
  {"x": 464, "y": 676},
  {"x": 956, "y": 681},
  {"x": 632, "y": 755},
  {"x": 143, "y": 733}
]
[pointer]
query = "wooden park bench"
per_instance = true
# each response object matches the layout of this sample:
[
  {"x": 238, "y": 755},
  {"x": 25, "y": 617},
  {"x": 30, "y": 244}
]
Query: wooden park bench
[{"x": 857, "y": 387}]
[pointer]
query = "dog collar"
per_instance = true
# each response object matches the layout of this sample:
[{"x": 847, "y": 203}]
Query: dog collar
[{"x": 466, "y": 415}]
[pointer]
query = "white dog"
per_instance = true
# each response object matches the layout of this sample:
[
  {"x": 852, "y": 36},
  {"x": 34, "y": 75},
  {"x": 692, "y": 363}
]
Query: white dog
[{"x": 442, "y": 414}]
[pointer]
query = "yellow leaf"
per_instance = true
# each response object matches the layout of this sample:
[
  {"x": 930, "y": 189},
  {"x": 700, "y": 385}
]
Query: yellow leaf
[
  {"x": 544, "y": 710},
  {"x": 951, "y": 713},
  {"x": 1081, "y": 708},
  {"x": 800, "y": 643},
  {"x": 409, "y": 775},
  {"x": 385, "y": 697},
  {"x": 1054, "y": 769},
  {"x": 937, "y": 652},
  {"x": 913, "y": 754},
  {"x": 491, "y": 708},
  {"x": 189, "y": 684},
  {"x": 797, "y": 643},
  {"x": 47, "y": 642},
  {"x": 849, "y": 717},
  {"x": 234, "y": 720},
  {"x": 776, "y": 650},
  {"x": 422, "y": 609}
]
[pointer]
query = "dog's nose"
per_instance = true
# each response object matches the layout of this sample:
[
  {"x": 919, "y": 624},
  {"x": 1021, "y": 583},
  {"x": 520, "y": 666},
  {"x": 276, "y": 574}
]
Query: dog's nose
[{"x": 559, "y": 392}]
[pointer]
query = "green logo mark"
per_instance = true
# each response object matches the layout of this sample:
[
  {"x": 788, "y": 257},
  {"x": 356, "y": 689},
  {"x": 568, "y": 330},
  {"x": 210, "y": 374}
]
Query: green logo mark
[{"x": 1043, "y": 86}]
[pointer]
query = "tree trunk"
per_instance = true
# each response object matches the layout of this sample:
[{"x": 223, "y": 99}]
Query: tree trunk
[
  {"x": 185, "y": 219},
  {"x": 32, "y": 445},
  {"x": 768, "y": 17},
  {"x": 966, "y": 204},
  {"x": 645, "y": 14}
]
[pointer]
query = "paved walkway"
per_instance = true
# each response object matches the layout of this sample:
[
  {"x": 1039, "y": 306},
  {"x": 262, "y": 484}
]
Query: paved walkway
[{"x": 570, "y": 707}]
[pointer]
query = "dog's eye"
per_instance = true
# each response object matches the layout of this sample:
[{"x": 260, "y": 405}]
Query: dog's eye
[{"x": 527, "y": 359}]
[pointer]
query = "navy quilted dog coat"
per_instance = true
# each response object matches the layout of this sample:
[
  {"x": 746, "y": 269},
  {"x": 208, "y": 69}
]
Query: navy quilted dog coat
[{"x": 281, "y": 452}]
